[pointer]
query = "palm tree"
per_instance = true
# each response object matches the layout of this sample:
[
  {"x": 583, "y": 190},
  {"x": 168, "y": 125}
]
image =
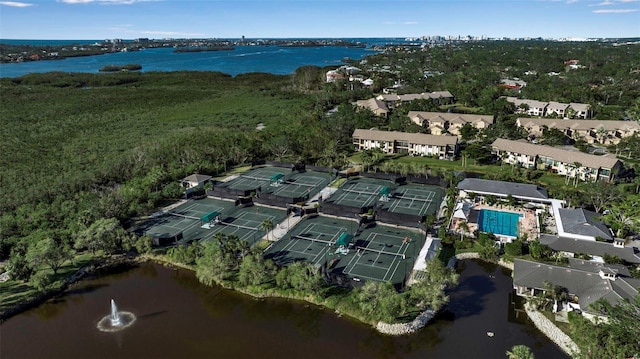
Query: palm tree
[
  {"x": 267, "y": 226},
  {"x": 463, "y": 226},
  {"x": 568, "y": 170},
  {"x": 520, "y": 352},
  {"x": 578, "y": 167},
  {"x": 554, "y": 292},
  {"x": 601, "y": 133},
  {"x": 366, "y": 159}
]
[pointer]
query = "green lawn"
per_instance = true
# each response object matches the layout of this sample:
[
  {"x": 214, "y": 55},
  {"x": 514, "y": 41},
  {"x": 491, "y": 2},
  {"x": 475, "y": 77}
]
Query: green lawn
[{"x": 14, "y": 292}]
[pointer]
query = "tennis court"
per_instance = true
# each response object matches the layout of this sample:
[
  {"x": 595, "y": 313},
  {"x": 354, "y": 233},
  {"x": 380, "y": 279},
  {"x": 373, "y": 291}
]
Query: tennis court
[
  {"x": 379, "y": 253},
  {"x": 183, "y": 223},
  {"x": 172, "y": 228},
  {"x": 360, "y": 193},
  {"x": 313, "y": 243},
  {"x": 414, "y": 199},
  {"x": 301, "y": 184},
  {"x": 380, "y": 257},
  {"x": 313, "y": 240},
  {"x": 198, "y": 208},
  {"x": 196, "y": 220},
  {"x": 245, "y": 223},
  {"x": 258, "y": 177}
]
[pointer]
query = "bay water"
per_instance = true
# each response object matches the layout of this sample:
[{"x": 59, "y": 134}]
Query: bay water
[{"x": 279, "y": 60}]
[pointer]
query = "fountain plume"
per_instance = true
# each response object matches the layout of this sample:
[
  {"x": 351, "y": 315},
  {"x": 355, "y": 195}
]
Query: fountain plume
[{"x": 117, "y": 320}]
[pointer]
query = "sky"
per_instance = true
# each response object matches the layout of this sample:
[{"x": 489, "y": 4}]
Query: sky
[{"x": 157, "y": 19}]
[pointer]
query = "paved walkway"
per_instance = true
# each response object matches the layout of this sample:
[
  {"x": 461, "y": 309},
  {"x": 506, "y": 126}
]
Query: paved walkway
[{"x": 281, "y": 229}]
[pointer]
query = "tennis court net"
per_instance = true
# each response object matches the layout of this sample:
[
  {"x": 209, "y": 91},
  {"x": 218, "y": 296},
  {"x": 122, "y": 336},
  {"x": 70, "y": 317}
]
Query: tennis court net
[
  {"x": 317, "y": 240},
  {"x": 300, "y": 184},
  {"x": 366, "y": 249},
  {"x": 414, "y": 199},
  {"x": 183, "y": 215},
  {"x": 229, "y": 224},
  {"x": 255, "y": 178},
  {"x": 361, "y": 192}
]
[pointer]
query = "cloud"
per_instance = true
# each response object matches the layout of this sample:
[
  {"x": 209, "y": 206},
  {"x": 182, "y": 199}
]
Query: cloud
[
  {"x": 614, "y": 2},
  {"x": 571, "y": 1},
  {"x": 105, "y": 2},
  {"x": 15, "y": 4},
  {"x": 614, "y": 11}
]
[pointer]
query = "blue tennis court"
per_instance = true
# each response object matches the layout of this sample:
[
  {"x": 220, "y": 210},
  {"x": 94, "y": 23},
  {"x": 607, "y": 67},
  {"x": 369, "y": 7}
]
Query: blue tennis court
[{"x": 497, "y": 222}]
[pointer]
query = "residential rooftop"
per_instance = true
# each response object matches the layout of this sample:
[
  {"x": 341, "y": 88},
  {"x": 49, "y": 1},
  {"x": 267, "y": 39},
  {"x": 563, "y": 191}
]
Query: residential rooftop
[
  {"x": 502, "y": 187},
  {"x": 593, "y": 248},
  {"x": 410, "y": 137},
  {"x": 557, "y": 154}
]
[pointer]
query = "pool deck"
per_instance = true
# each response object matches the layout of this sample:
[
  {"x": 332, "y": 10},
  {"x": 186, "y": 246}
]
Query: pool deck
[{"x": 528, "y": 222}]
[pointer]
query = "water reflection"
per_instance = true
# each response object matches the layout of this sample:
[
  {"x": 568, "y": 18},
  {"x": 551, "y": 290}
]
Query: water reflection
[
  {"x": 179, "y": 318},
  {"x": 51, "y": 309}
]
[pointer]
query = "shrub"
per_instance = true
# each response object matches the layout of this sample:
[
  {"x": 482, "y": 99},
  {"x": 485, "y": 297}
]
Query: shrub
[{"x": 513, "y": 249}]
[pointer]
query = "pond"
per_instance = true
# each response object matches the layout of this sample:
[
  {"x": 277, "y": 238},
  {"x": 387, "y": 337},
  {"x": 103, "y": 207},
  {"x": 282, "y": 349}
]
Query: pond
[{"x": 177, "y": 317}]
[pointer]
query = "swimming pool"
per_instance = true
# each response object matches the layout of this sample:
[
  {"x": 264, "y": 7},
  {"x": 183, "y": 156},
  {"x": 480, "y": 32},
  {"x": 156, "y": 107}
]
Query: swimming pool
[{"x": 497, "y": 222}]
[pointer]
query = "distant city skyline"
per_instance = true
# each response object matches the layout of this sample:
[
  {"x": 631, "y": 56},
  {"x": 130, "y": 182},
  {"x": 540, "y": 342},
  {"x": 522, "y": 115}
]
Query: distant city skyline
[{"x": 157, "y": 19}]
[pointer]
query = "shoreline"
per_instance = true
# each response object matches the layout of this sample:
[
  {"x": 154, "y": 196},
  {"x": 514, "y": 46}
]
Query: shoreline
[
  {"x": 85, "y": 272},
  {"x": 544, "y": 325},
  {"x": 550, "y": 330}
]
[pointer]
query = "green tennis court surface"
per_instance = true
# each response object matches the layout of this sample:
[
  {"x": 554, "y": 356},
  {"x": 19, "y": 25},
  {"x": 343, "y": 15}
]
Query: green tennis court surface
[
  {"x": 361, "y": 192},
  {"x": 381, "y": 253},
  {"x": 195, "y": 220},
  {"x": 246, "y": 224},
  {"x": 258, "y": 177},
  {"x": 414, "y": 199},
  {"x": 299, "y": 185},
  {"x": 310, "y": 241}
]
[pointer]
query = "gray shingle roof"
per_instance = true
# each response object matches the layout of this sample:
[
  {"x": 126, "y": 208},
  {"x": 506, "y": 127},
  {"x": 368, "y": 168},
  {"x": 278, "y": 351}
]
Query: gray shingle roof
[
  {"x": 373, "y": 104},
  {"x": 557, "y": 154},
  {"x": 593, "y": 248},
  {"x": 502, "y": 187},
  {"x": 451, "y": 117},
  {"x": 595, "y": 267},
  {"x": 531, "y": 103},
  {"x": 583, "y": 282},
  {"x": 583, "y": 222},
  {"x": 582, "y": 125},
  {"x": 413, "y": 138},
  {"x": 415, "y": 96},
  {"x": 559, "y": 106},
  {"x": 580, "y": 107}
]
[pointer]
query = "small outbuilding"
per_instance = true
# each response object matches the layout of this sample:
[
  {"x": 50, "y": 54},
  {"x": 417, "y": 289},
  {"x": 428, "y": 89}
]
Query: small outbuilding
[{"x": 194, "y": 182}]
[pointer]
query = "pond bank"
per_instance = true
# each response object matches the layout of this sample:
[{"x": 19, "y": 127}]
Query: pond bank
[
  {"x": 550, "y": 330},
  {"x": 90, "y": 270},
  {"x": 423, "y": 318}
]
